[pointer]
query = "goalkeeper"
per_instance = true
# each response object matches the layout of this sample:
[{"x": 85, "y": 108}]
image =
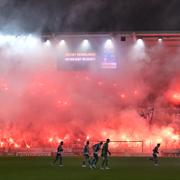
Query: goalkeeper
[{"x": 155, "y": 154}]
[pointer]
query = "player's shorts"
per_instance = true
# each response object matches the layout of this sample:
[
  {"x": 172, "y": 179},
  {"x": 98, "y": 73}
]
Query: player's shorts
[
  {"x": 58, "y": 155},
  {"x": 95, "y": 155},
  {"x": 86, "y": 156},
  {"x": 104, "y": 155},
  {"x": 155, "y": 155}
]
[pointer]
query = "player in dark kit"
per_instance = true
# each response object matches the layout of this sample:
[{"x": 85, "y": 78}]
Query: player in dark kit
[
  {"x": 96, "y": 149},
  {"x": 59, "y": 154},
  {"x": 104, "y": 155},
  {"x": 155, "y": 154},
  {"x": 86, "y": 155}
]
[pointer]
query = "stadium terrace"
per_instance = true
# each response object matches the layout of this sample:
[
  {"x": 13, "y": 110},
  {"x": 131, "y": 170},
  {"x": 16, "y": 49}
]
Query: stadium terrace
[{"x": 79, "y": 87}]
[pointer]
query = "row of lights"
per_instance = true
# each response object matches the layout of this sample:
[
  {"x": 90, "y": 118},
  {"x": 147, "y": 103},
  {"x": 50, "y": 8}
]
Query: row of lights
[
  {"x": 8, "y": 38},
  {"x": 32, "y": 41},
  {"x": 85, "y": 43},
  {"x": 108, "y": 43}
]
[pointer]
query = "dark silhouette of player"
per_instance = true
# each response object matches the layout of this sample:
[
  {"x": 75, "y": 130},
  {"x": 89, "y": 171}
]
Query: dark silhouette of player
[
  {"x": 155, "y": 154},
  {"x": 59, "y": 154},
  {"x": 96, "y": 148},
  {"x": 86, "y": 155},
  {"x": 104, "y": 155}
]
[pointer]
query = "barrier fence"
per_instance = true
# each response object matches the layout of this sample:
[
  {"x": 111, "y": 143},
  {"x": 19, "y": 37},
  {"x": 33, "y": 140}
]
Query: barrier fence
[{"x": 117, "y": 148}]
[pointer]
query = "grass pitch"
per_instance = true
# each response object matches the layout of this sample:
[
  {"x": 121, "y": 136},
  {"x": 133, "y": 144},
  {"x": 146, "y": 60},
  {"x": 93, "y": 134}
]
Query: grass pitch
[{"x": 39, "y": 168}]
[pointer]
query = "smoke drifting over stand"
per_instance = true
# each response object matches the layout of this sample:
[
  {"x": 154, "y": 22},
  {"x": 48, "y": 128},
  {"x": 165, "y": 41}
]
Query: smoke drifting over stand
[{"x": 41, "y": 104}]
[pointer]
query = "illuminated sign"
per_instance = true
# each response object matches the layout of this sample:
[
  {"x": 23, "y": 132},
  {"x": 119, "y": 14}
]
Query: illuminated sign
[
  {"x": 80, "y": 56},
  {"x": 109, "y": 60}
]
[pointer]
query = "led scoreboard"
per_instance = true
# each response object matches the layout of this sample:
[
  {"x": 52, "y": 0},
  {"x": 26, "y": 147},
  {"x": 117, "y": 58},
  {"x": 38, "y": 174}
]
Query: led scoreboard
[{"x": 79, "y": 54}]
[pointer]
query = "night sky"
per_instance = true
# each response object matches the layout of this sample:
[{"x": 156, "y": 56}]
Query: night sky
[{"x": 88, "y": 15}]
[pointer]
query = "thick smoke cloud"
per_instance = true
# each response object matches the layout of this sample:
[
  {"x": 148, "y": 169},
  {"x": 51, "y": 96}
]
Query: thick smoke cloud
[{"x": 41, "y": 105}]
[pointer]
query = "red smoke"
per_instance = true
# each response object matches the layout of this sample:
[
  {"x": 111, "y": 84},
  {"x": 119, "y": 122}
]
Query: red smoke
[
  {"x": 173, "y": 94},
  {"x": 74, "y": 106},
  {"x": 40, "y": 106}
]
